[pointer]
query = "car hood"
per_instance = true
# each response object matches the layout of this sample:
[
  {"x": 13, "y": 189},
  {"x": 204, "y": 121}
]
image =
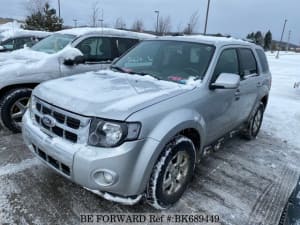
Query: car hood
[
  {"x": 28, "y": 63},
  {"x": 107, "y": 94},
  {"x": 24, "y": 56}
]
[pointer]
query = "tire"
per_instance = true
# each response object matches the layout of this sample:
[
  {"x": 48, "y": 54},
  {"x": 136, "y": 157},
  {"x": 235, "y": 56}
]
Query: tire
[
  {"x": 13, "y": 107},
  {"x": 164, "y": 189},
  {"x": 254, "y": 125}
]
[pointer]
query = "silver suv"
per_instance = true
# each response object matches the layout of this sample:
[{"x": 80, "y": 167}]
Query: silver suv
[
  {"x": 64, "y": 53},
  {"x": 138, "y": 129}
]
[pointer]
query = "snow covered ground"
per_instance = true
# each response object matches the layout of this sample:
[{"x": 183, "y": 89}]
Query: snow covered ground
[
  {"x": 282, "y": 117},
  {"x": 245, "y": 183}
]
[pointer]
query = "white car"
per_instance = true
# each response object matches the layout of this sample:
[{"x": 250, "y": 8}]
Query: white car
[{"x": 64, "y": 53}]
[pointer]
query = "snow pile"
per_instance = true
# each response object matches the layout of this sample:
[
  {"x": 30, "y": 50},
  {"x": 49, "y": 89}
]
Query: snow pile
[
  {"x": 10, "y": 26},
  {"x": 282, "y": 118},
  {"x": 68, "y": 53}
]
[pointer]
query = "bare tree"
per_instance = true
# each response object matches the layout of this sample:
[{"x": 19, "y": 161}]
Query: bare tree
[
  {"x": 138, "y": 25},
  {"x": 179, "y": 27},
  {"x": 120, "y": 23},
  {"x": 34, "y": 6},
  {"x": 164, "y": 25},
  {"x": 95, "y": 16},
  {"x": 192, "y": 23}
]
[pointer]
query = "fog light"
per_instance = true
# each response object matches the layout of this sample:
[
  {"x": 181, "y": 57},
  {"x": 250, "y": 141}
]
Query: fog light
[
  {"x": 105, "y": 177},
  {"x": 108, "y": 177}
]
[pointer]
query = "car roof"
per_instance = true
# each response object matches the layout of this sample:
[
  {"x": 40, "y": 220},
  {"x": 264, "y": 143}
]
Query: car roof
[
  {"x": 105, "y": 32},
  {"x": 23, "y": 33},
  {"x": 212, "y": 40}
]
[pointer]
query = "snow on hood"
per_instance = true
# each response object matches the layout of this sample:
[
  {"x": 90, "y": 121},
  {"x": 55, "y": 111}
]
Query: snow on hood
[
  {"x": 21, "y": 54},
  {"x": 107, "y": 94},
  {"x": 26, "y": 61}
]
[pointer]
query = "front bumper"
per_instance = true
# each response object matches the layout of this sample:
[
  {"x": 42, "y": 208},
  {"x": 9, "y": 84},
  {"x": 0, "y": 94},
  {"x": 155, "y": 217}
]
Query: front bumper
[{"x": 80, "y": 162}]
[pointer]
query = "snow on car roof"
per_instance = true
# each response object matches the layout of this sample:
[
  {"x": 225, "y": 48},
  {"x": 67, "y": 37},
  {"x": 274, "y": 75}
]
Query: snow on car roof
[
  {"x": 208, "y": 40},
  {"x": 23, "y": 33},
  {"x": 105, "y": 31}
]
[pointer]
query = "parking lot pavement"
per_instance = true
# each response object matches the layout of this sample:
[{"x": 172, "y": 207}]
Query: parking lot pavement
[{"x": 244, "y": 183}]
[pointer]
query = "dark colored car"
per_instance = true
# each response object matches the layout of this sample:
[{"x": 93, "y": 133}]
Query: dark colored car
[{"x": 16, "y": 40}]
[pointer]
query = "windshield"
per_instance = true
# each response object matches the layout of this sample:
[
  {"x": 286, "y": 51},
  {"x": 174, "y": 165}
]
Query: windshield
[
  {"x": 53, "y": 43},
  {"x": 176, "y": 61}
]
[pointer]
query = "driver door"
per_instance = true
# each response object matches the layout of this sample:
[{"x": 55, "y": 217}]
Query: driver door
[
  {"x": 98, "y": 53},
  {"x": 222, "y": 110}
]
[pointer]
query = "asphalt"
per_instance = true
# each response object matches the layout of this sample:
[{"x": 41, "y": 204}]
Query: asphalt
[{"x": 245, "y": 183}]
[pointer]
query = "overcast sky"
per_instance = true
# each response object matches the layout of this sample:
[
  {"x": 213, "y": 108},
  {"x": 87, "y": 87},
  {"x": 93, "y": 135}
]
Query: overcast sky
[{"x": 235, "y": 17}]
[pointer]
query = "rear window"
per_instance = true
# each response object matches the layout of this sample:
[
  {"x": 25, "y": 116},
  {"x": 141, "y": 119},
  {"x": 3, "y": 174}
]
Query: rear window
[
  {"x": 263, "y": 60},
  {"x": 247, "y": 62}
]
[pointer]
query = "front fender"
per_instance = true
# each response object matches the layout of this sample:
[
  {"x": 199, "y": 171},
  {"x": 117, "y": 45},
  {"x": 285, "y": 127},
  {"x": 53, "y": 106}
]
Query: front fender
[
  {"x": 164, "y": 131},
  {"x": 175, "y": 122}
]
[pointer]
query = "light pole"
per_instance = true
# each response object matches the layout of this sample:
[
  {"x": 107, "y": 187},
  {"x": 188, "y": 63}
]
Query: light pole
[
  {"x": 58, "y": 8},
  {"x": 289, "y": 39},
  {"x": 157, "y": 20},
  {"x": 285, "y": 21},
  {"x": 206, "y": 19},
  {"x": 75, "y": 23},
  {"x": 101, "y": 22}
]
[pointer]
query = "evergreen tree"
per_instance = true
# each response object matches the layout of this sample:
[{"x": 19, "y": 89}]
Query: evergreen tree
[
  {"x": 259, "y": 39},
  {"x": 268, "y": 40},
  {"x": 251, "y": 36},
  {"x": 45, "y": 20}
]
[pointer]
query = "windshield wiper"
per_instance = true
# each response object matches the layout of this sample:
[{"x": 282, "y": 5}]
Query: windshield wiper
[
  {"x": 119, "y": 69},
  {"x": 146, "y": 74}
]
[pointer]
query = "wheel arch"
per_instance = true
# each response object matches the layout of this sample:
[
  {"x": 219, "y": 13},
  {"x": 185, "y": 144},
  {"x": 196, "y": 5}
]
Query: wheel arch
[
  {"x": 265, "y": 100},
  {"x": 190, "y": 129},
  {"x": 8, "y": 88}
]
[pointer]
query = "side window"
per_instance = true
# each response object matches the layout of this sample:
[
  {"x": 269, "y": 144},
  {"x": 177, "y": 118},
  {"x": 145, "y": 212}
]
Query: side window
[
  {"x": 20, "y": 42},
  {"x": 8, "y": 44},
  {"x": 247, "y": 62},
  {"x": 263, "y": 60},
  {"x": 104, "y": 49},
  {"x": 123, "y": 44},
  {"x": 227, "y": 63},
  {"x": 96, "y": 49}
]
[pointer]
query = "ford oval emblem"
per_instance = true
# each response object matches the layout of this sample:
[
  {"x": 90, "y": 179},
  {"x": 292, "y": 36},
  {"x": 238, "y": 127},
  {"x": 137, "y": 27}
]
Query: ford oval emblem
[{"x": 48, "y": 121}]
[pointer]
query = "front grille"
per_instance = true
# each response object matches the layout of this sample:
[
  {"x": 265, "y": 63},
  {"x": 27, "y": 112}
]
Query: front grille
[
  {"x": 67, "y": 125},
  {"x": 52, "y": 161}
]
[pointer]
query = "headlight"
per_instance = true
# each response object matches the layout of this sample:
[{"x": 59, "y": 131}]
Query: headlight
[{"x": 110, "y": 134}]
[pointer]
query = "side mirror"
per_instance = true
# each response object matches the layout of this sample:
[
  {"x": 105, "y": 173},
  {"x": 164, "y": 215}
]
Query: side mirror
[
  {"x": 227, "y": 81},
  {"x": 77, "y": 60}
]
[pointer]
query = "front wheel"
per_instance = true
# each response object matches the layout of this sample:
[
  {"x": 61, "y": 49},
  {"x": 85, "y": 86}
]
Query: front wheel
[
  {"x": 172, "y": 173},
  {"x": 14, "y": 105},
  {"x": 255, "y": 123}
]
